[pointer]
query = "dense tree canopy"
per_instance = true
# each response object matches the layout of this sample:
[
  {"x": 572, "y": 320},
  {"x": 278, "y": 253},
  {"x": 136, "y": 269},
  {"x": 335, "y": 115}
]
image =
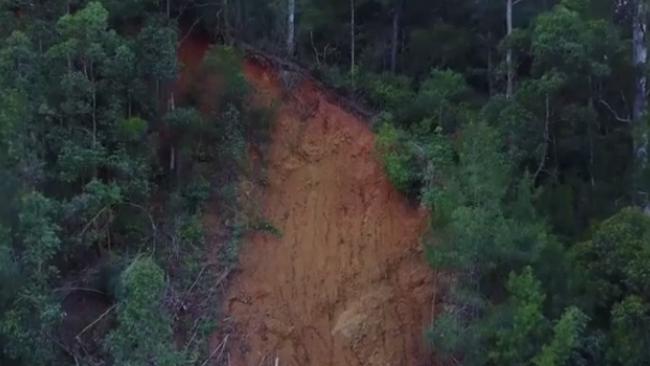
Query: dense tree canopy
[{"x": 521, "y": 125}]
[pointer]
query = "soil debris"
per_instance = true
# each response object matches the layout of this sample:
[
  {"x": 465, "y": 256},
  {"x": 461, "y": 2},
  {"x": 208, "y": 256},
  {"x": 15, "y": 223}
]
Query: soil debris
[{"x": 346, "y": 283}]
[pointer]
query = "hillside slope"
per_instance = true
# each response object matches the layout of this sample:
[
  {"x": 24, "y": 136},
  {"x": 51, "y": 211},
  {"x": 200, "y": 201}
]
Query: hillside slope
[{"x": 345, "y": 283}]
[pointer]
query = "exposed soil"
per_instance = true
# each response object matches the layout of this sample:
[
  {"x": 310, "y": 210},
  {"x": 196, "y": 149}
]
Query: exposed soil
[{"x": 346, "y": 282}]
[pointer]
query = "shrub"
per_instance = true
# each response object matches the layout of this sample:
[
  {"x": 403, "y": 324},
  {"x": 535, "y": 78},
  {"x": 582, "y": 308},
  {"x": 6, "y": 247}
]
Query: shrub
[
  {"x": 144, "y": 333},
  {"x": 398, "y": 160}
]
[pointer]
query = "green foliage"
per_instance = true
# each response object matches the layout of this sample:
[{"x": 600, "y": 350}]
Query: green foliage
[
  {"x": 144, "y": 332},
  {"x": 8, "y": 269},
  {"x": 12, "y": 126},
  {"x": 452, "y": 337},
  {"x": 17, "y": 61},
  {"x": 616, "y": 258},
  {"x": 84, "y": 88},
  {"x": 27, "y": 326},
  {"x": 156, "y": 45},
  {"x": 269, "y": 228},
  {"x": 183, "y": 118},
  {"x": 191, "y": 232},
  {"x": 78, "y": 161},
  {"x": 196, "y": 194},
  {"x": 567, "y": 338},
  {"x": 398, "y": 161},
  {"x": 565, "y": 40},
  {"x": 132, "y": 129},
  {"x": 338, "y": 77},
  {"x": 387, "y": 91},
  {"x": 227, "y": 63},
  {"x": 517, "y": 343},
  {"x": 630, "y": 343},
  {"x": 85, "y": 29},
  {"x": 28, "y": 313},
  {"x": 438, "y": 98},
  {"x": 39, "y": 234},
  {"x": 231, "y": 150}
]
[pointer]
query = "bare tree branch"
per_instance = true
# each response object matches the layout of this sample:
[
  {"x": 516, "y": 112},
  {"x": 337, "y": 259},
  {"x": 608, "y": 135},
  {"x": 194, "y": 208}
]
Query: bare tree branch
[
  {"x": 542, "y": 162},
  {"x": 221, "y": 347},
  {"x": 614, "y": 114},
  {"x": 102, "y": 316}
]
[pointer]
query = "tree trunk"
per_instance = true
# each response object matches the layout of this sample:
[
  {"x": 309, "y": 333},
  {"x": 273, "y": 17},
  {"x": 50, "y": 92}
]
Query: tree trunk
[
  {"x": 240, "y": 17},
  {"x": 640, "y": 58},
  {"x": 395, "y": 40},
  {"x": 509, "y": 71},
  {"x": 94, "y": 104},
  {"x": 226, "y": 22},
  {"x": 291, "y": 28},
  {"x": 172, "y": 152},
  {"x": 352, "y": 37},
  {"x": 94, "y": 115},
  {"x": 489, "y": 71},
  {"x": 172, "y": 158},
  {"x": 129, "y": 103},
  {"x": 590, "y": 135}
]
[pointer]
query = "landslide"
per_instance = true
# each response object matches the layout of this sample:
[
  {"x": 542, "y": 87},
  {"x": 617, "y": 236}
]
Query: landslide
[{"x": 345, "y": 283}]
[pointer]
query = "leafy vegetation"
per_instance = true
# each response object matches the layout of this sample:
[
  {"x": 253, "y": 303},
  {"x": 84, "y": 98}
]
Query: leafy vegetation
[
  {"x": 521, "y": 125},
  {"x": 106, "y": 182}
]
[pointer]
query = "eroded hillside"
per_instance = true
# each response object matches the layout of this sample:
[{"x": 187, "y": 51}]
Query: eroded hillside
[{"x": 345, "y": 283}]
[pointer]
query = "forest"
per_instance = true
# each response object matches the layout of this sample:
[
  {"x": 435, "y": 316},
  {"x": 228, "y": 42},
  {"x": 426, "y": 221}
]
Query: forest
[{"x": 520, "y": 126}]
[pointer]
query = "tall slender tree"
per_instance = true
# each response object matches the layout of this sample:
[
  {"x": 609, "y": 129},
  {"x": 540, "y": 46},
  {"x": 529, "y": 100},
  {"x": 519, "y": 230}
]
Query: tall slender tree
[
  {"x": 640, "y": 57},
  {"x": 510, "y": 71},
  {"x": 397, "y": 14},
  {"x": 291, "y": 27},
  {"x": 353, "y": 38},
  {"x": 639, "y": 109},
  {"x": 509, "y": 5}
]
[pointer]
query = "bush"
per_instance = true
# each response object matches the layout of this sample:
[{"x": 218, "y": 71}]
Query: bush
[
  {"x": 144, "y": 333},
  {"x": 398, "y": 160},
  {"x": 388, "y": 92}
]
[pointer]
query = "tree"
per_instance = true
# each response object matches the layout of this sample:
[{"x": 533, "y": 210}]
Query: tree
[
  {"x": 17, "y": 62},
  {"x": 567, "y": 338},
  {"x": 32, "y": 313},
  {"x": 639, "y": 57},
  {"x": 291, "y": 28},
  {"x": 616, "y": 257},
  {"x": 510, "y": 72},
  {"x": 630, "y": 342},
  {"x": 396, "y": 7},
  {"x": 156, "y": 45},
  {"x": 353, "y": 37},
  {"x": 183, "y": 123},
  {"x": 639, "y": 109},
  {"x": 144, "y": 334},
  {"x": 518, "y": 341}
]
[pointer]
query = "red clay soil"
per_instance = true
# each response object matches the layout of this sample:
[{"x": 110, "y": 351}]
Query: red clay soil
[{"x": 346, "y": 282}]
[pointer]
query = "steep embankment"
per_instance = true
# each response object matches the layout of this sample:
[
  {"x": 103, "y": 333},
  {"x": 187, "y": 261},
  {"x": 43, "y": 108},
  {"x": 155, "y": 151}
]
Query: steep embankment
[{"x": 346, "y": 283}]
